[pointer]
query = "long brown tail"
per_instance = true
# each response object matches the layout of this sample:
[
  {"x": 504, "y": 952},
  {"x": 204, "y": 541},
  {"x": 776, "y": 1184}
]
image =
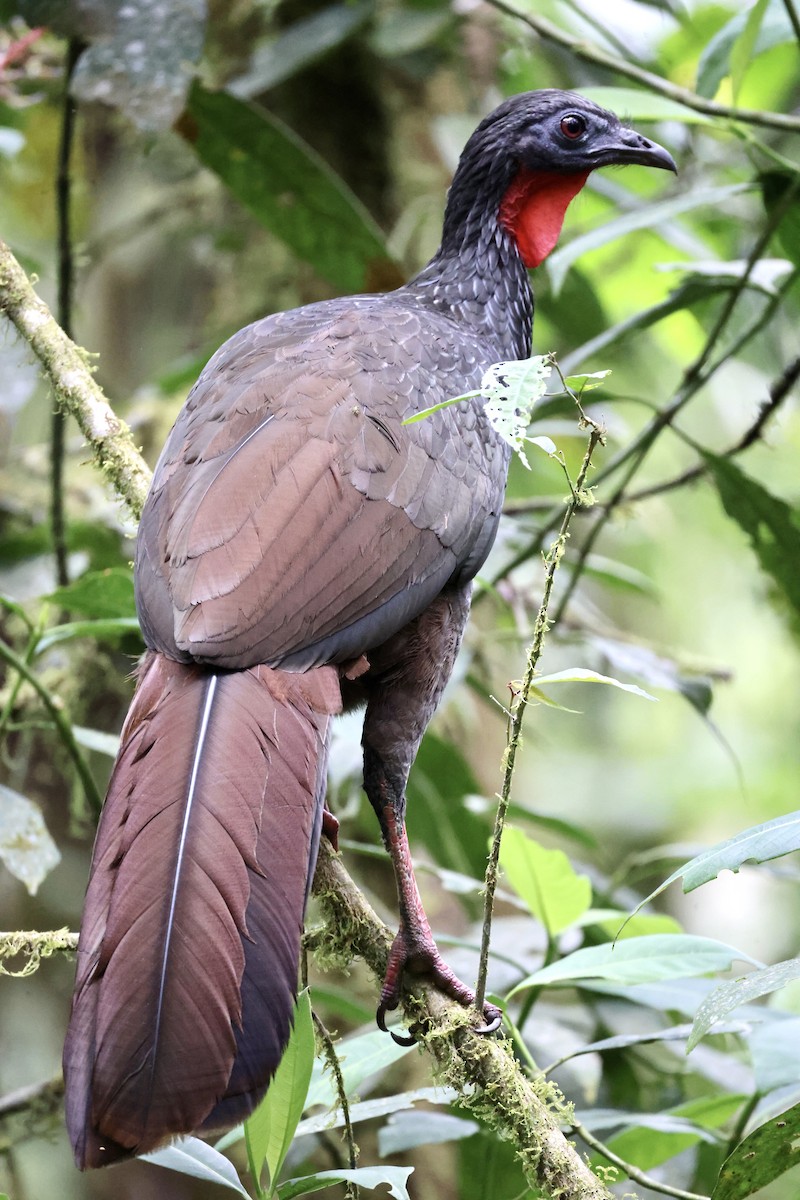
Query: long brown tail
[{"x": 189, "y": 947}]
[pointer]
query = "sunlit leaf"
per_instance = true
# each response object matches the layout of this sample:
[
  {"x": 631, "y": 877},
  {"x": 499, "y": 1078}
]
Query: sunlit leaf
[
  {"x": 735, "y": 992},
  {"x": 744, "y": 47},
  {"x": 765, "y": 1154},
  {"x": 289, "y": 189},
  {"x": 545, "y": 879},
  {"x": 190, "y": 1156},
  {"x": 715, "y": 61},
  {"x": 26, "y": 847},
  {"x": 95, "y": 739},
  {"x": 639, "y": 105},
  {"x": 650, "y": 216},
  {"x": 271, "y": 1127},
  {"x": 638, "y": 960}
]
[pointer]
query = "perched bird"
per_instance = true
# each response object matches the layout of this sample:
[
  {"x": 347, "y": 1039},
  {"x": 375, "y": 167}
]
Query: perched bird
[{"x": 302, "y": 551}]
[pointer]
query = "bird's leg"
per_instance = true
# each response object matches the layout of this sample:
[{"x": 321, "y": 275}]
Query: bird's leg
[{"x": 409, "y": 676}]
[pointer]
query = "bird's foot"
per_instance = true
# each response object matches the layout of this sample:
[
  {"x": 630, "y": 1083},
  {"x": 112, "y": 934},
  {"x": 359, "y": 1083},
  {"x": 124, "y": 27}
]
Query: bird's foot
[{"x": 417, "y": 954}]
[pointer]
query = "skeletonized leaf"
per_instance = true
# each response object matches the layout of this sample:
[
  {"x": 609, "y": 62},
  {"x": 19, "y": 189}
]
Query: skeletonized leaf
[
  {"x": 734, "y": 992},
  {"x": 26, "y": 847},
  {"x": 512, "y": 389}
]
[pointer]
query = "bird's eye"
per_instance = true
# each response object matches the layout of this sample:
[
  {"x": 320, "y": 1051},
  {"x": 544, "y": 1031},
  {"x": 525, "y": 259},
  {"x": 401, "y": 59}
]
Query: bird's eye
[{"x": 572, "y": 126}]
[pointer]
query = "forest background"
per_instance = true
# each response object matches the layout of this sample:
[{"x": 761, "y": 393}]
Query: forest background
[{"x": 217, "y": 163}]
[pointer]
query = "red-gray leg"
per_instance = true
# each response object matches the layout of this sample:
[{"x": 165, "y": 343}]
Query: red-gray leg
[{"x": 406, "y": 681}]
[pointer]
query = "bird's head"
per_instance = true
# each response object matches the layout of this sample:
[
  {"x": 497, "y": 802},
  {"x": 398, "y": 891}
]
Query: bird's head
[{"x": 538, "y": 150}]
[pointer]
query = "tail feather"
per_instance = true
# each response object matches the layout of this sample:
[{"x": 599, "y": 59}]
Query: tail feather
[{"x": 187, "y": 963}]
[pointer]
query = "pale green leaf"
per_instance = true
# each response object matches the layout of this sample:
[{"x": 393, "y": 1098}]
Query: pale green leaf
[
  {"x": 512, "y": 389},
  {"x": 735, "y": 992},
  {"x": 269, "y": 1131},
  {"x": 360, "y": 1057},
  {"x": 395, "y": 1178},
  {"x": 761, "y": 843},
  {"x": 583, "y": 675},
  {"x": 638, "y": 960},
  {"x": 545, "y": 879},
  {"x": 544, "y": 443},
  {"x": 190, "y": 1156},
  {"x": 369, "y": 1110},
  {"x": 26, "y": 847},
  {"x": 95, "y": 739},
  {"x": 107, "y": 630}
]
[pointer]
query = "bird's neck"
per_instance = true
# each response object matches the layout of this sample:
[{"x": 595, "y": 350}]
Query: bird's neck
[{"x": 484, "y": 285}]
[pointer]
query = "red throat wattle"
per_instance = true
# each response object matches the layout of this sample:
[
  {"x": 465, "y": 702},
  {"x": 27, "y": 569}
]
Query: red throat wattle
[{"x": 533, "y": 210}]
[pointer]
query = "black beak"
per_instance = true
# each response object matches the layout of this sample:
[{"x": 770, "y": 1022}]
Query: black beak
[{"x": 631, "y": 147}]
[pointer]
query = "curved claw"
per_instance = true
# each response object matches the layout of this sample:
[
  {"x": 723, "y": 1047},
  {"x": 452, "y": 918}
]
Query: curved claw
[
  {"x": 494, "y": 1020},
  {"x": 380, "y": 1021},
  {"x": 401, "y": 1040}
]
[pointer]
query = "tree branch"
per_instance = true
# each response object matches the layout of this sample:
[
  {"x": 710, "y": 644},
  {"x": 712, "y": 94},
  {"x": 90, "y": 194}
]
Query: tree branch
[
  {"x": 73, "y": 384},
  {"x": 485, "y": 1073},
  {"x": 590, "y": 53}
]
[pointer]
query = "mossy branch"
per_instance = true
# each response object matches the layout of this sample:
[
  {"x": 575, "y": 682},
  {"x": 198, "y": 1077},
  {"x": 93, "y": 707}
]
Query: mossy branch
[
  {"x": 483, "y": 1070},
  {"x": 74, "y": 387}
]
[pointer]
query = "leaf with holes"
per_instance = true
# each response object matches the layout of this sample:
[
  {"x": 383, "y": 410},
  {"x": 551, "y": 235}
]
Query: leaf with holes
[{"x": 765, "y": 1154}]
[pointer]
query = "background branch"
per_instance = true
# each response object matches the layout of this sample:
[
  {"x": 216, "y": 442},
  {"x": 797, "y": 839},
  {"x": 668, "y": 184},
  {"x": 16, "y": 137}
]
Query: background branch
[{"x": 595, "y": 55}]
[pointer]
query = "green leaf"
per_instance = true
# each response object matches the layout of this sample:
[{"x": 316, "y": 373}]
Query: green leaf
[
  {"x": 512, "y": 389},
  {"x": 771, "y": 525},
  {"x": 715, "y": 61},
  {"x": 26, "y": 847},
  {"x": 734, "y": 992},
  {"x": 407, "y": 1130},
  {"x": 761, "y": 843},
  {"x": 98, "y": 594},
  {"x": 775, "y": 1052},
  {"x": 583, "y": 675},
  {"x": 395, "y": 1179},
  {"x": 440, "y": 780},
  {"x": 545, "y": 879},
  {"x": 774, "y": 185},
  {"x": 290, "y": 190},
  {"x": 648, "y": 1145},
  {"x": 638, "y": 960},
  {"x": 644, "y": 105},
  {"x": 765, "y": 1154},
  {"x": 108, "y": 630},
  {"x": 303, "y": 43},
  {"x": 368, "y": 1110},
  {"x": 648, "y": 217},
  {"x": 190, "y": 1156},
  {"x": 743, "y": 49},
  {"x": 269, "y": 1131},
  {"x": 360, "y": 1057}
]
